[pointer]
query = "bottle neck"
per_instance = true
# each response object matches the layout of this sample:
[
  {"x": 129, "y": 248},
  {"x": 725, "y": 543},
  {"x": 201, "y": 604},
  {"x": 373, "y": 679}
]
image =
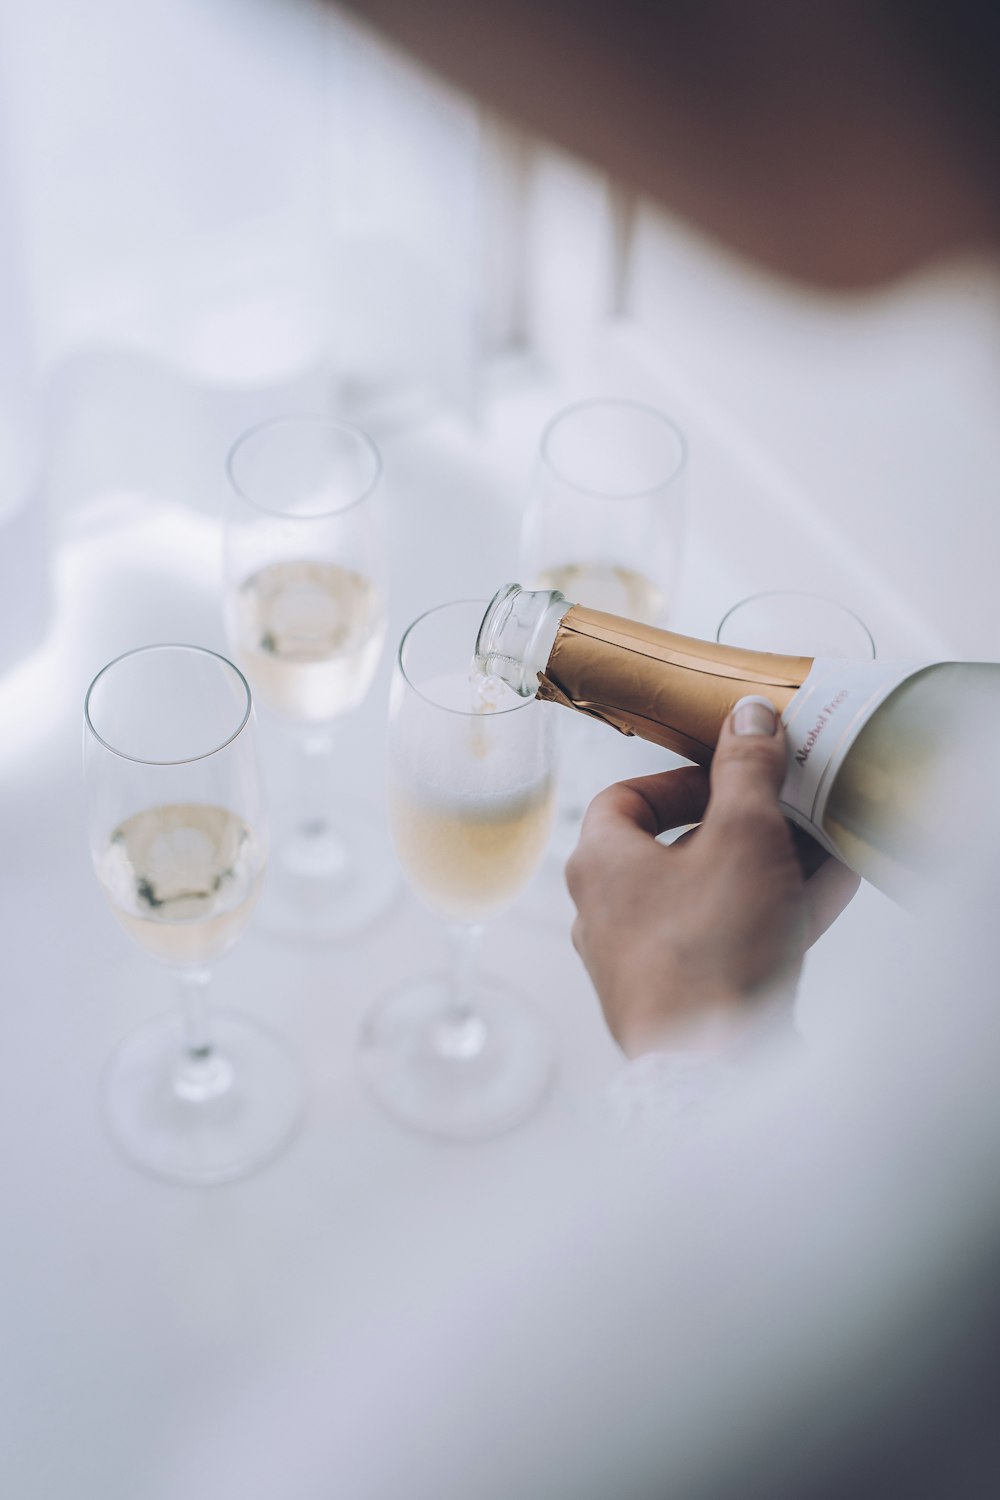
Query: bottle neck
[
  {"x": 517, "y": 633},
  {"x": 671, "y": 689}
]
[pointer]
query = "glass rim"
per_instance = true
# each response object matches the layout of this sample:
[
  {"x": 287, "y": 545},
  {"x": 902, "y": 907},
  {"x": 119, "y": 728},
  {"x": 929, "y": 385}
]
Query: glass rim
[
  {"x": 304, "y": 419},
  {"x": 795, "y": 594},
  {"x": 184, "y": 760},
  {"x": 629, "y": 404},
  {"x": 461, "y": 713}
]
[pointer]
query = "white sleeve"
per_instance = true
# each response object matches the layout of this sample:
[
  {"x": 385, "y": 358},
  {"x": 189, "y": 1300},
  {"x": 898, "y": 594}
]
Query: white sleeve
[{"x": 655, "y": 1091}]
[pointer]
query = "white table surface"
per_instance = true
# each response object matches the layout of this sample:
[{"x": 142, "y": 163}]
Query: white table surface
[{"x": 128, "y": 1303}]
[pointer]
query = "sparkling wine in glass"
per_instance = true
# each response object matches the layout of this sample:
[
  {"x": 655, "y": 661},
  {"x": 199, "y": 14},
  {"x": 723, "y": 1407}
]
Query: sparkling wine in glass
[
  {"x": 471, "y": 791},
  {"x": 305, "y": 614},
  {"x": 178, "y": 840}
]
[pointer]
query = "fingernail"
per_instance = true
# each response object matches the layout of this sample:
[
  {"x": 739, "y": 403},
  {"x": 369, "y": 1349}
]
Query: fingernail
[{"x": 754, "y": 716}]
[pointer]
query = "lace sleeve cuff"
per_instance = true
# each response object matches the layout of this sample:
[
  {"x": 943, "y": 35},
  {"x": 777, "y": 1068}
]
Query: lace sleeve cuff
[{"x": 660, "y": 1088}]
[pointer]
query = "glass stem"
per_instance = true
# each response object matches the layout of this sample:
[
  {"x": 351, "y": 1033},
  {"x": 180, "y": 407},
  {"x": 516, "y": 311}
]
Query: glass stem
[
  {"x": 192, "y": 987},
  {"x": 201, "y": 1073},
  {"x": 573, "y": 798},
  {"x": 312, "y": 847},
  {"x": 574, "y": 778},
  {"x": 462, "y": 1032},
  {"x": 314, "y": 752}
]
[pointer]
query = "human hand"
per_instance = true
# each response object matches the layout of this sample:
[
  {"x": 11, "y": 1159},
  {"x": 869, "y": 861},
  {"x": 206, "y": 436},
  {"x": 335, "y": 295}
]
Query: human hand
[{"x": 684, "y": 938}]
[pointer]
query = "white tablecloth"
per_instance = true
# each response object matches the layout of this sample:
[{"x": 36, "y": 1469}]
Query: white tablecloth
[{"x": 127, "y": 1303}]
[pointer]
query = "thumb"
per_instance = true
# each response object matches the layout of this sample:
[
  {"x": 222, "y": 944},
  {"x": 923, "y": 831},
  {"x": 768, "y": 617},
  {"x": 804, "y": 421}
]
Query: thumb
[{"x": 749, "y": 764}]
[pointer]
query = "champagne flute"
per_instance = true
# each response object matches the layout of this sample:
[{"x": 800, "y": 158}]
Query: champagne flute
[
  {"x": 604, "y": 526},
  {"x": 305, "y": 614},
  {"x": 791, "y": 621},
  {"x": 178, "y": 840},
  {"x": 604, "y": 522},
  {"x": 471, "y": 782}
]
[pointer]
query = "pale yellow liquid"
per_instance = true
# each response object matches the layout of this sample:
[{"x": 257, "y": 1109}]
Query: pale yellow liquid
[
  {"x": 616, "y": 591},
  {"x": 183, "y": 880},
  {"x": 308, "y": 635},
  {"x": 469, "y": 856}
]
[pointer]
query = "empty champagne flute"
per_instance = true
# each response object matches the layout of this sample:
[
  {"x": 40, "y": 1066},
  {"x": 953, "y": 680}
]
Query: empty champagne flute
[
  {"x": 305, "y": 614},
  {"x": 471, "y": 786},
  {"x": 792, "y": 621},
  {"x": 178, "y": 840},
  {"x": 604, "y": 520},
  {"x": 604, "y": 524}
]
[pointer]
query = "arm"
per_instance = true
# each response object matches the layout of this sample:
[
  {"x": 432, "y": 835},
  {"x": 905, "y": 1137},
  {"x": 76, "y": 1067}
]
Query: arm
[{"x": 769, "y": 126}]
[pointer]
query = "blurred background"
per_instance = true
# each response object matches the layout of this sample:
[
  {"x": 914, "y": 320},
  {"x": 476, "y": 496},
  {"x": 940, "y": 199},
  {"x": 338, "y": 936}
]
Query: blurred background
[{"x": 210, "y": 211}]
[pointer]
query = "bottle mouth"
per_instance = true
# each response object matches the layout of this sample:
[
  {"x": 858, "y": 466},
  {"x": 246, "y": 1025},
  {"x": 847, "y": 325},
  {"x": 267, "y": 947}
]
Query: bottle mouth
[
  {"x": 516, "y": 635},
  {"x": 498, "y": 612}
]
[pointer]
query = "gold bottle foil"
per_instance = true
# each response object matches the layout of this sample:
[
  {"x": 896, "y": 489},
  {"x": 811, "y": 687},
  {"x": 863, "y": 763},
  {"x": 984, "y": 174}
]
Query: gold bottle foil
[{"x": 671, "y": 689}]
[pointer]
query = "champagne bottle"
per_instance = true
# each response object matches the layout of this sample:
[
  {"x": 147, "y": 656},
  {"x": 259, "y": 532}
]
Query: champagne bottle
[{"x": 878, "y": 752}]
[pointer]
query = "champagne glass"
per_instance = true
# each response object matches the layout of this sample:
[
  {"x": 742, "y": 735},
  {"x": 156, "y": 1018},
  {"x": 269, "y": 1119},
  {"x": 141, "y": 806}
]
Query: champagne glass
[
  {"x": 178, "y": 840},
  {"x": 796, "y": 622},
  {"x": 604, "y": 525},
  {"x": 471, "y": 783},
  {"x": 305, "y": 613},
  {"x": 604, "y": 522}
]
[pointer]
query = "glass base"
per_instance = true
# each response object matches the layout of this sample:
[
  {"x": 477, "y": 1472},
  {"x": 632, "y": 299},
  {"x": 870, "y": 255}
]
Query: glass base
[
  {"x": 202, "y": 1121},
  {"x": 330, "y": 877},
  {"x": 463, "y": 1082}
]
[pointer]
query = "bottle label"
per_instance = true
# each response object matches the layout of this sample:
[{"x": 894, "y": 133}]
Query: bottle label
[{"x": 822, "y": 722}]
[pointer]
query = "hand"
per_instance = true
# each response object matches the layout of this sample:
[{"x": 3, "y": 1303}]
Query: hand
[{"x": 685, "y": 937}]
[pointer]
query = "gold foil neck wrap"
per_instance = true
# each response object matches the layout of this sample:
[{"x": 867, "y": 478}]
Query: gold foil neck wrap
[{"x": 671, "y": 689}]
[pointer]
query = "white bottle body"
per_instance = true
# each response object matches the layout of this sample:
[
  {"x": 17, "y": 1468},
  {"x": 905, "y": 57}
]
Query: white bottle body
[{"x": 916, "y": 778}]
